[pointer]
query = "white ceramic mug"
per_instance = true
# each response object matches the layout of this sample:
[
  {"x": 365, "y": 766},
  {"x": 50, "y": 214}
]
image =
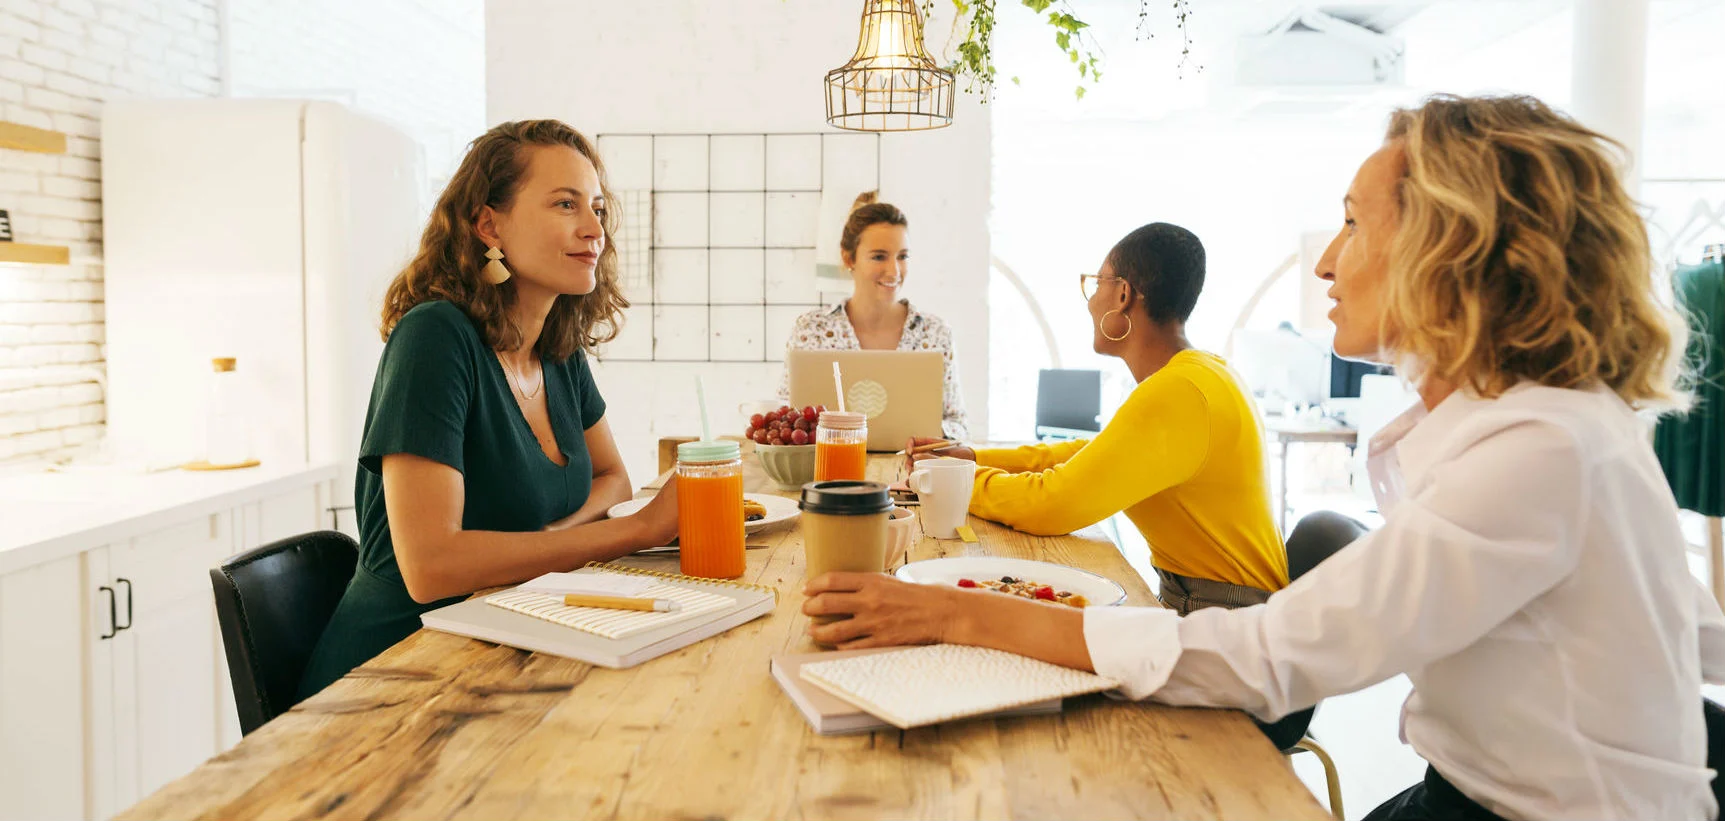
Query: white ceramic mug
[{"x": 942, "y": 488}]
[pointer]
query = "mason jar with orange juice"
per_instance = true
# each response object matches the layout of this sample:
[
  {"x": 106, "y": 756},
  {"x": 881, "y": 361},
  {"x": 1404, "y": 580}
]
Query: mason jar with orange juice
[
  {"x": 710, "y": 509},
  {"x": 841, "y": 447}
]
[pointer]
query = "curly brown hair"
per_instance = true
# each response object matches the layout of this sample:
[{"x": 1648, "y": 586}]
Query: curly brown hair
[
  {"x": 1521, "y": 256},
  {"x": 451, "y": 255}
]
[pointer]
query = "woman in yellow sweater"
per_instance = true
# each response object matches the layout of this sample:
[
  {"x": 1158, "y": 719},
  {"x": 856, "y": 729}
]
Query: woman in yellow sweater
[{"x": 1183, "y": 457}]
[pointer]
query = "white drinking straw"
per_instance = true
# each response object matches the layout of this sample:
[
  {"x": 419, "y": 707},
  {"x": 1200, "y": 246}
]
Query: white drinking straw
[
  {"x": 701, "y": 399},
  {"x": 839, "y": 386}
]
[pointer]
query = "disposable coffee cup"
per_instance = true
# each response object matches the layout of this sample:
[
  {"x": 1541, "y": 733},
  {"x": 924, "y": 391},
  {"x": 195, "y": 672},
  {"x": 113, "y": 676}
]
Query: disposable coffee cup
[{"x": 844, "y": 526}]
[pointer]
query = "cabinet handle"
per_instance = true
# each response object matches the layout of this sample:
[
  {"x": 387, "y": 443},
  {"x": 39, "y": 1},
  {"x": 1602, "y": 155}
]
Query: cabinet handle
[
  {"x": 112, "y": 630},
  {"x": 128, "y": 624}
]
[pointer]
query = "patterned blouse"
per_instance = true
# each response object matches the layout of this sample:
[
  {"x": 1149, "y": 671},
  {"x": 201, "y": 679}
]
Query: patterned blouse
[{"x": 825, "y": 329}]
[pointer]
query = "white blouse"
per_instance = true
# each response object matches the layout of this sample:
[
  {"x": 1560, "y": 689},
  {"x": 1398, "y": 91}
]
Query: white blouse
[
  {"x": 829, "y": 329},
  {"x": 1531, "y": 581}
]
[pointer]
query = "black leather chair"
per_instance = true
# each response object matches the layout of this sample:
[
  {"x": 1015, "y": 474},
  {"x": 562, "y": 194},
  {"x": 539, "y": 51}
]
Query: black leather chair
[
  {"x": 1714, "y": 717},
  {"x": 1317, "y": 537},
  {"x": 273, "y": 604}
]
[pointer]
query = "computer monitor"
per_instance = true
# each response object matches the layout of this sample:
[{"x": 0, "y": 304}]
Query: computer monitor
[
  {"x": 1345, "y": 375},
  {"x": 1068, "y": 403}
]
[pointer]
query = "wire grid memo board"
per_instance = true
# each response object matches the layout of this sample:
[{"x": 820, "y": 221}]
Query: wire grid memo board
[{"x": 717, "y": 238}]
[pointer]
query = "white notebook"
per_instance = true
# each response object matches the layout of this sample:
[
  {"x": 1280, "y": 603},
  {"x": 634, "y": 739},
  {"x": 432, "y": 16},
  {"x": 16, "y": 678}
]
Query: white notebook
[
  {"x": 831, "y": 715},
  {"x": 944, "y": 682},
  {"x": 608, "y": 638}
]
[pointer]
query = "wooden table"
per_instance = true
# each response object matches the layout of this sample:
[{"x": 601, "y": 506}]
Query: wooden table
[
  {"x": 1287, "y": 433},
  {"x": 445, "y": 727}
]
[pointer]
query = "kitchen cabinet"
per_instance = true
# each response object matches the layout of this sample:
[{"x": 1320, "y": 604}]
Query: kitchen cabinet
[{"x": 113, "y": 679}]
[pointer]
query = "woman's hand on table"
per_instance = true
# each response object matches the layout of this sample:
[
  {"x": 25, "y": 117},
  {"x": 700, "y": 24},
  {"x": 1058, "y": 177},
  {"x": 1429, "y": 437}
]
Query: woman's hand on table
[
  {"x": 886, "y": 612},
  {"x": 955, "y": 452},
  {"x": 883, "y": 611}
]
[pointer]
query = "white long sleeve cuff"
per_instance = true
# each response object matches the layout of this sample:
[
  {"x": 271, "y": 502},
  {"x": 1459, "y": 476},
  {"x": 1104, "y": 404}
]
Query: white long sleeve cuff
[{"x": 1136, "y": 646}]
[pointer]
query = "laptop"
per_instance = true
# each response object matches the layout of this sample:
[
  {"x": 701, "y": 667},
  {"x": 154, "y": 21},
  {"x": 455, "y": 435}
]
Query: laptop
[{"x": 901, "y": 392}]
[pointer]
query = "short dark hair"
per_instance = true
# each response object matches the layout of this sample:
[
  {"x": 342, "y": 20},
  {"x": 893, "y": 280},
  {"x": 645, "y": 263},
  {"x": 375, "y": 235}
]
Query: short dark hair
[{"x": 1165, "y": 264}]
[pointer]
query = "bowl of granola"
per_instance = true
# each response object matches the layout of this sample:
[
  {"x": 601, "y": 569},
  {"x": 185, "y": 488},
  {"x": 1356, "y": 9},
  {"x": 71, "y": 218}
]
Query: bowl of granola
[{"x": 1052, "y": 583}]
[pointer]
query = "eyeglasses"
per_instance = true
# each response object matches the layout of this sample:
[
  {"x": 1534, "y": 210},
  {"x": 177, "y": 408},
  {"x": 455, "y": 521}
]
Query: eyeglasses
[{"x": 1088, "y": 283}]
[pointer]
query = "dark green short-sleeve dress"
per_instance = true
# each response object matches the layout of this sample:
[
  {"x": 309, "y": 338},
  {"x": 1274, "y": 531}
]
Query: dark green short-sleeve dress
[{"x": 440, "y": 393}]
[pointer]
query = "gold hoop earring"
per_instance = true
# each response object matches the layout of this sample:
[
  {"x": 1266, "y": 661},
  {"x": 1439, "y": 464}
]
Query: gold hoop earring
[
  {"x": 495, "y": 273},
  {"x": 1103, "y": 326}
]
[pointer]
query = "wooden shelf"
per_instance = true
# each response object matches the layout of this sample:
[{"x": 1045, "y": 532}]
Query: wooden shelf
[
  {"x": 28, "y": 138},
  {"x": 35, "y": 254}
]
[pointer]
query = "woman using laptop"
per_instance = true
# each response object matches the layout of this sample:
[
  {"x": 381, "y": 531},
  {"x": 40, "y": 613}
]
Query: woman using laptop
[
  {"x": 486, "y": 458},
  {"x": 1184, "y": 455},
  {"x": 1530, "y": 577},
  {"x": 875, "y": 248}
]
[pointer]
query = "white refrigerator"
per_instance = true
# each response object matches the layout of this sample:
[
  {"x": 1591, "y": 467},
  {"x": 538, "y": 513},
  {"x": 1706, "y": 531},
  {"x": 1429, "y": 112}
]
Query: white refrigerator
[{"x": 263, "y": 230}]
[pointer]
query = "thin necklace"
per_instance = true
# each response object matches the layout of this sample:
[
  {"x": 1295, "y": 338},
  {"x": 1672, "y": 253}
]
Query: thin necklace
[{"x": 514, "y": 376}]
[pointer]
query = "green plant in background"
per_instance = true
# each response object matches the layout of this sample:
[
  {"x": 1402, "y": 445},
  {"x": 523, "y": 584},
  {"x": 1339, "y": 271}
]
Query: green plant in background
[{"x": 975, "y": 53}]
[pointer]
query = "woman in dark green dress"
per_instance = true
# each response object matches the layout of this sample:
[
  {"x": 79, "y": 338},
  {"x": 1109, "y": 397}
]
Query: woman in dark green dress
[{"x": 486, "y": 458}]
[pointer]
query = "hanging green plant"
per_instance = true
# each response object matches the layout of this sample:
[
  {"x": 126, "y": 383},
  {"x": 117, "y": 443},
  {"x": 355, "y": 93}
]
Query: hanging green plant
[{"x": 974, "y": 55}]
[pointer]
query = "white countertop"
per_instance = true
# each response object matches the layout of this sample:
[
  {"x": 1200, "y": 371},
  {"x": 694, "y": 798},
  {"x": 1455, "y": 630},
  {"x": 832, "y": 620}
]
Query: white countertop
[{"x": 45, "y": 516}]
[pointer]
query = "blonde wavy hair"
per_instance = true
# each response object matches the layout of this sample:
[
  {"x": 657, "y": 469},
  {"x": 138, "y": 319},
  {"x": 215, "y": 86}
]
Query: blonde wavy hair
[
  {"x": 451, "y": 255},
  {"x": 1520, "y": 256}
]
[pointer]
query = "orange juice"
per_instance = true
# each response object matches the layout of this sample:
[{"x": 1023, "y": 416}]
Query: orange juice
[
  {"x": 710, "y": 525},
  {"x": 840, "y": 460},
  {"x": 710, "y": 509},
  {"x": 841, "y": 447}
]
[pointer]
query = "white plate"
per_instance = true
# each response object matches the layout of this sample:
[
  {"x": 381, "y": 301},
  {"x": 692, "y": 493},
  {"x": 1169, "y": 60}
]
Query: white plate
[
  {"x": 779, "y": 509},
  {"x": 1098, "y": 589}
]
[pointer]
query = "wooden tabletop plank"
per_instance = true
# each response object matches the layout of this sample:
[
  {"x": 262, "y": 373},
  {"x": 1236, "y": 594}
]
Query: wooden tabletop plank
[{"x": 441, "y": 726}]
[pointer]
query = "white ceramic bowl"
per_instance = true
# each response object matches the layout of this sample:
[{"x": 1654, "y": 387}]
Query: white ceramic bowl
[{"x": 901, "y": 531}]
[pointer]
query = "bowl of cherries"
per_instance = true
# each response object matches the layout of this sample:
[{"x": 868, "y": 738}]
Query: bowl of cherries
[{"x": 785, "y": 442}]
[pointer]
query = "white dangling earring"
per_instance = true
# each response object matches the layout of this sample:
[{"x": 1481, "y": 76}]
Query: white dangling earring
[{"x": 495, "y": 273}]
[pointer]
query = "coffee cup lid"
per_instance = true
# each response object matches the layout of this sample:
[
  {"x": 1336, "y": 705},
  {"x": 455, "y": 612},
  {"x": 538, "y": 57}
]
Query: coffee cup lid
[{"x": 845, "y": 498}]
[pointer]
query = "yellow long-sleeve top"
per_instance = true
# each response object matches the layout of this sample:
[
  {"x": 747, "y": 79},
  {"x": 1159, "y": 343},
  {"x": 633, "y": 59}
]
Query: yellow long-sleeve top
[{"x": 1183, "y": 457}]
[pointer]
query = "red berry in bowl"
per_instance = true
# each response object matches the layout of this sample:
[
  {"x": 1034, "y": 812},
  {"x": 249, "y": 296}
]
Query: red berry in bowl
[
  {"x": 1045, "y": 593},
  {"x": 799, "y": 437},
  {"x": 966, "y": 583},
  {"x": 760, "y": 437},
  {"x": 757, "y": 420},
  {"x": 810, "y": 414}
]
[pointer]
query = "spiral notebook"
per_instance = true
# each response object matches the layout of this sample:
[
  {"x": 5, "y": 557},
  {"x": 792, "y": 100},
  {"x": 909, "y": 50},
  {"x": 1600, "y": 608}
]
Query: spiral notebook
[{"x": 609, "y": 638}]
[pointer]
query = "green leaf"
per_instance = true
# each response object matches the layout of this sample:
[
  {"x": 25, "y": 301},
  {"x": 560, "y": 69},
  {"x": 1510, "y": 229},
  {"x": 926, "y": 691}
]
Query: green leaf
[
  {"x": 1081, "y": 92},
  {"x": 1063, "y": 40},
  {"x": 1015, "y": 80},
  {"x": 1038, "y": 6}
]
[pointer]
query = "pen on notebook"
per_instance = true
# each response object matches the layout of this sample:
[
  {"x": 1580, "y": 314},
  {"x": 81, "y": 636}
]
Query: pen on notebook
[{"x": 619, "y": 602}]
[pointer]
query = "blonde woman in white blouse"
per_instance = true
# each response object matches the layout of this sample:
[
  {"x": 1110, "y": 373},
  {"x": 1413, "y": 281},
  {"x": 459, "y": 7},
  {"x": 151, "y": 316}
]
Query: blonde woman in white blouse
[
  {"x": 875, "y": 248},
  {"x": 1530, "y": 577}
]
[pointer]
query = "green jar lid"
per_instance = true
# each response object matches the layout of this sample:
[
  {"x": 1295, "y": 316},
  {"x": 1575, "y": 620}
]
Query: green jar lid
[{"x": 719, "y": 451}]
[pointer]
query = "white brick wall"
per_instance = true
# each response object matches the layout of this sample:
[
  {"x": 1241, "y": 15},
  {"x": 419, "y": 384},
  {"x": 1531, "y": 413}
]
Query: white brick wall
[
  {"x": 59, "y": 59},
  {"x": 419, "y": 63}
]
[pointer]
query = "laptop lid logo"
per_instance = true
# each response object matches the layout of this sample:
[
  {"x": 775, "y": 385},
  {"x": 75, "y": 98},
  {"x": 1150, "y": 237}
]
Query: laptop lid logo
[{"x": 867, "y": 397}]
